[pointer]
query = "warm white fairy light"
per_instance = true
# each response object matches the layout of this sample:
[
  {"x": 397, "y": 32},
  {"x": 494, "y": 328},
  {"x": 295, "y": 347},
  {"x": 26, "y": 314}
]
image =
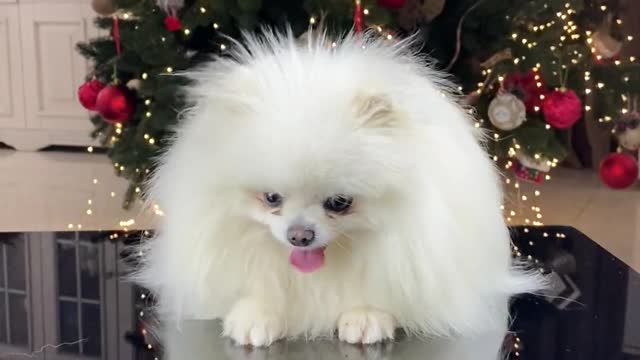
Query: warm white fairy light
[
  {"x": 145, "y": 76},
  {"x": 187, "y": 31},
  {"x": 169, "y": 69},
  {"x": 203, "y": 10},
  {"x": 216, "y": 26}
]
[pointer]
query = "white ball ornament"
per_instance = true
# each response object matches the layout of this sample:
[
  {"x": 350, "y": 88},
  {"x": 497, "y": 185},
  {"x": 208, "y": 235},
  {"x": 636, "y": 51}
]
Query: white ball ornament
[
  {"x": 507, "y": 111},
  {"x": 627, "y": 131}
]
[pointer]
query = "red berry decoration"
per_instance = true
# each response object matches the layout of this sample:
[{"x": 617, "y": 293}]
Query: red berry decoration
[
  {"x": 115, "y": 104},
  {"x": 525, "y": 86},
  {"x": 88, "y": 92},
  {"x": 619, "y": 171},
  {"x": 392, "y": 4},
  {"x": 172, "y": 23},
  {"x": 562, "y": 108}
]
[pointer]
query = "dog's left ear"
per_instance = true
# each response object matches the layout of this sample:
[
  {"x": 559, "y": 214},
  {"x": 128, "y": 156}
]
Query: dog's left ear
[{"x": 374, "y": 111}]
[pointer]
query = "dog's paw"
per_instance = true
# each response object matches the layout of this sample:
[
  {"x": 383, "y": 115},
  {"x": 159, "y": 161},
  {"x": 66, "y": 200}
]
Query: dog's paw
[
  {"x": 250, "y": 324},
  {"x": 366, "y": 326}
]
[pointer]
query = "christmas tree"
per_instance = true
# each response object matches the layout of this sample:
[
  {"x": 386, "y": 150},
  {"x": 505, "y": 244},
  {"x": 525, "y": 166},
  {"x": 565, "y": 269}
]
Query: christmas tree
[{"x": 531, "y": 68}]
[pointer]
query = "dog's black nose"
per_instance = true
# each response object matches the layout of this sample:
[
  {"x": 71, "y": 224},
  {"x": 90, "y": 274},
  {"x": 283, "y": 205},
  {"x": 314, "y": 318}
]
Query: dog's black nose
[{"x": 300, "y": 235}]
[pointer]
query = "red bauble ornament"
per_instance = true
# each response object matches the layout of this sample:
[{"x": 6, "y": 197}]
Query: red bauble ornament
[
  {"x": 392, "y": 4},
  {"x": 562, "y": 108},
  {"x": 528, "y": 87},
  {"x": 619, "y": 171},
  {"x": 172, "y": 23},
  {"x": 115, "y": 104},
  {"x": 88, "y": 92}
]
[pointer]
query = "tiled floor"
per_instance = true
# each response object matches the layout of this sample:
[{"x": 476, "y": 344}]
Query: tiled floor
[{"x": 51, "y": 191}]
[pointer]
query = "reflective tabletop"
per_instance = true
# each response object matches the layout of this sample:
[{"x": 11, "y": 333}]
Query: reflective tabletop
[{"x": 62, "y": 297}]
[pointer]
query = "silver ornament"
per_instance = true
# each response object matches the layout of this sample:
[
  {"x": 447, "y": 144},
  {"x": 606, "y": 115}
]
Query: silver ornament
[{"x": 507, "y": 112}]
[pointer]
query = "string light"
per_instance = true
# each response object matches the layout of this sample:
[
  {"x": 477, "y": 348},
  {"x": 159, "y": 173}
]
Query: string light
[
  {"x": 90, "y": 149},
  {"x": 187, "y": 31}
]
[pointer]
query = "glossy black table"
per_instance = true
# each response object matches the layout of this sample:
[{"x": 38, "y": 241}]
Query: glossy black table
[{"x": 61, "y": 297}]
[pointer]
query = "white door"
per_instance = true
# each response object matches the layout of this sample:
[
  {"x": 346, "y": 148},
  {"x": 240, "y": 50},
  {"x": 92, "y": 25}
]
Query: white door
[
  {"x": 53, "y": 70},
  {"x": 11, "y": 92}
]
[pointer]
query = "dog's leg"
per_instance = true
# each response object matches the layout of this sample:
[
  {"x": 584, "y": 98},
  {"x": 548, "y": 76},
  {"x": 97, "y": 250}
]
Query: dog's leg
[
  {"x": 251, "y": 323},
  {"x": 366, "y": 326}
]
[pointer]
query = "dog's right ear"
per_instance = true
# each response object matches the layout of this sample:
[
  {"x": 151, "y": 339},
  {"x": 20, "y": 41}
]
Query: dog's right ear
[{"x": 374, "y": 111}]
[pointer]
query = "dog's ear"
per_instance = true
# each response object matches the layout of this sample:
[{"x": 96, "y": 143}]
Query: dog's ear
[{"x": 374, "y": 111}]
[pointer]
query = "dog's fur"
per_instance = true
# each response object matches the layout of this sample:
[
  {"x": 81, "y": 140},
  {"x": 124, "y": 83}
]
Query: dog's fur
[{"x": 424, "y": 248}]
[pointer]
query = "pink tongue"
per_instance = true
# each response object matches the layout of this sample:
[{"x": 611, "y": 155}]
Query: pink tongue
[{"x": 307, "y": 260}]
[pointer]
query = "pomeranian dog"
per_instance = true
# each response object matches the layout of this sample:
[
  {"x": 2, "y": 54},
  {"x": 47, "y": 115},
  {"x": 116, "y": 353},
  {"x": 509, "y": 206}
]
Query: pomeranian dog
[{"x": 322, "y": 186}]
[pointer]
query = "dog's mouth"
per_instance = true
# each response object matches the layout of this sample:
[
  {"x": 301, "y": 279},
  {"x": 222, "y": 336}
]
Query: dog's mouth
[{"x": 307, "y": 260}]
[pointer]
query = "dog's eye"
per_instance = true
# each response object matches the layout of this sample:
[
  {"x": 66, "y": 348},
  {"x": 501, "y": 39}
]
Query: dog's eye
[
  {"x": 338, "y": 203},
  {"x": 272, "y": 199}
]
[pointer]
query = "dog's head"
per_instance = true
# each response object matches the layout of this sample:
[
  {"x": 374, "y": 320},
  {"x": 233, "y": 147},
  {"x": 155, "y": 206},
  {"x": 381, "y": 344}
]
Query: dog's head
[{"x": 321, "y": 168}]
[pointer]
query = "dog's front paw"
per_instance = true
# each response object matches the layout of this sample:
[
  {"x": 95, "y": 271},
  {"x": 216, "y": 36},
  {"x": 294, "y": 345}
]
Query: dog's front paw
[
  {"x": 366, "y": 326},
  {"x": 248, "y": 323}
]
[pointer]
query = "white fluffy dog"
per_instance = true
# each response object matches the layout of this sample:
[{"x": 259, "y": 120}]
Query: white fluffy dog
[{"x": 323, "y": 186}]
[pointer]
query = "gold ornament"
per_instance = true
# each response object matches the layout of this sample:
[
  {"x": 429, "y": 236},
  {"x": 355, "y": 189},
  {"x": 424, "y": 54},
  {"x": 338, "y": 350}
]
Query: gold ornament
[
  {"x": 103, "y": 7},
  {"x": 605, "y": 45}
]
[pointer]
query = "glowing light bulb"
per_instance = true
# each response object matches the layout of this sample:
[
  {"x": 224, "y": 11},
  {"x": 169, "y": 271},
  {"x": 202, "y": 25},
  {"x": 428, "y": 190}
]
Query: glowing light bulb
[
  {"x": 145, "y": 76},
  {"x": 187, "y": 31}
]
